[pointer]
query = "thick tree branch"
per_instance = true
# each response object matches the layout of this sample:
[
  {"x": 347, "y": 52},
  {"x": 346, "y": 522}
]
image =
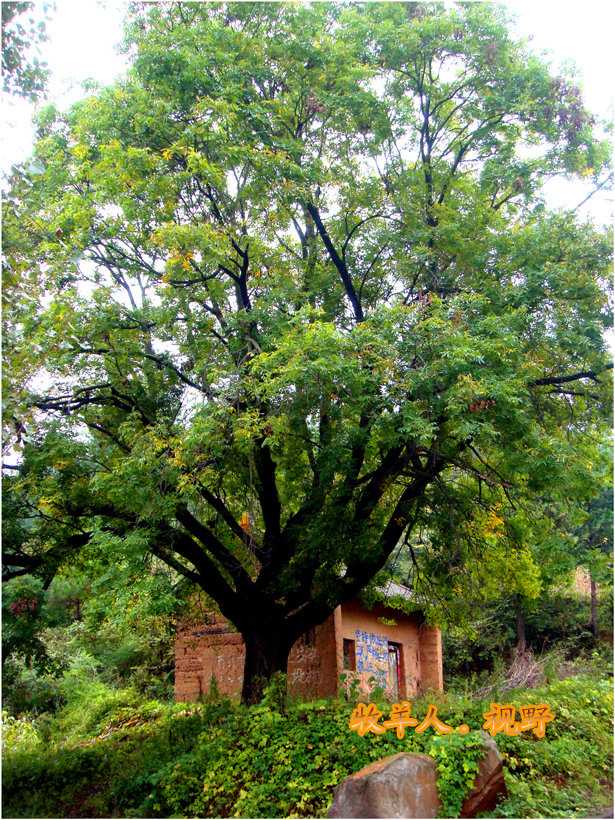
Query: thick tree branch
[
  {"x": 213, "y": 545},
  {"x": 209, "y": 577},
  {"x": 163, "y": 362},
  {"x": 358, "y": 574},
  {"x": 220, "y": 507},
  {"x": 584, "y": 374},
  {"x": 102, "y": 429},
  {"x": 268, "y": 491},
  {"x": 338, "y": 262}
]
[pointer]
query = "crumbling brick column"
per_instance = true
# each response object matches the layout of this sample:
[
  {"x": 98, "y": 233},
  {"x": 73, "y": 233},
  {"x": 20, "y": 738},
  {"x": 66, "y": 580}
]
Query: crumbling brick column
[
  {"x": 430, "y": 655},
  {"x": 206, "y": 650}
]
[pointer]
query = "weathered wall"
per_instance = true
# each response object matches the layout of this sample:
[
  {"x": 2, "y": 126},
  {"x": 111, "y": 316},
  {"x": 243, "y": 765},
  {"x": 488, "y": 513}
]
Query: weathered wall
[
  {"x": 205, "y": 649},
  {"x": 371, "y": 638},
  {"x": 312, "y": 663},
  {"x": 430, "y": 652},
  {"x": 214, "y": 649},
  {"x": 316, "y": 660}
]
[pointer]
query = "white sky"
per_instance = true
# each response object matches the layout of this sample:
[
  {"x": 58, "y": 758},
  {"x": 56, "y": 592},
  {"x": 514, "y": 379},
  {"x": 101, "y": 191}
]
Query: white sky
[{"x": 84, "y": 33}]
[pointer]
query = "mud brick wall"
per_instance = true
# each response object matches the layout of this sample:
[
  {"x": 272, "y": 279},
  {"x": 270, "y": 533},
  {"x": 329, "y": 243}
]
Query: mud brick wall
[
  {"x": 312, "y": 663},
  {"x": 206, "y": 649},
  {"x": 371, "y": 638},
  {"x": 430, "y": 651},
  {"x": 212, "y": 648}
]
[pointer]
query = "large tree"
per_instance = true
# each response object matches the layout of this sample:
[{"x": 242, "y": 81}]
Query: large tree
[{"x": 289, "y": 287}]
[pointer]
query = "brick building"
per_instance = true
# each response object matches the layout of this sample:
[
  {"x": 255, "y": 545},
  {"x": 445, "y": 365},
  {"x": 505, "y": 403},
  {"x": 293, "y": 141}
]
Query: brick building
[{"x": 405, "y": 658}]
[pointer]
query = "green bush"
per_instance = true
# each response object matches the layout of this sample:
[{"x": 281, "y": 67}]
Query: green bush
[
  {"x": 47, "y": 634},
  {"x": 29, "y": 692},
  {"x": 557, "y": 621},
  {"x": 25, "y": 617},
  {"x": 18, "y": 734},
  {"x": 135, "y": 758}
]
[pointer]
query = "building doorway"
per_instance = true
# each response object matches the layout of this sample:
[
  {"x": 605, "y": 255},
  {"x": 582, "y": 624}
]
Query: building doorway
[{"x": 394, "y": 678}]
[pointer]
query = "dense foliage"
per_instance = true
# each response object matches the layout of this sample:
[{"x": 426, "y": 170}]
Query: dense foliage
[
  {"x": 558, "y": 623},
  {"x": 129, "y": 758},
  {"x": 83, "y": 634},
  {"x": 23, "y": 74}
]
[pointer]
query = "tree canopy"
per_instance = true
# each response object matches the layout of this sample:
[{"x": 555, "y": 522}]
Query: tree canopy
[
  {"x": 288, "y": 292},
  {"x": 23, "y": 74}
]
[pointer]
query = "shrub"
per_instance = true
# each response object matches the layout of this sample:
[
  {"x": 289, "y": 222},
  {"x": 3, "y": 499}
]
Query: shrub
[
  {"x": 18, "y": 734},
  {"x": 556, "y": 622},
  {"x": 136, "y": 758}
]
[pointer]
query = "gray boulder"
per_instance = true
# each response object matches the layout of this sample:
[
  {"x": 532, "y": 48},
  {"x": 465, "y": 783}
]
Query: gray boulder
[
  {"x": 405, "y": 785},
  {"x": 489, "y": 786}
]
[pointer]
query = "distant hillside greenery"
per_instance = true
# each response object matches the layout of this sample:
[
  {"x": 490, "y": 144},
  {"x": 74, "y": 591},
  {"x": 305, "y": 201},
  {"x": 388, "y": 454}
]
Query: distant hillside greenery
[{"x": 557, "y": 626}]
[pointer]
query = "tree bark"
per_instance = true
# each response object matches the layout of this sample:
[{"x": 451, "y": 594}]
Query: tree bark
[
  {"x": 266, "y": 653},
  {"x": 521, "y": 641},
  {"x": 594, "y": 607}
]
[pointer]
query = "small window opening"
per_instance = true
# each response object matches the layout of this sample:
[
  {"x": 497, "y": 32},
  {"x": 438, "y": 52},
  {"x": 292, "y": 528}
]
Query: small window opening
[{"x": 349, "y": 655}]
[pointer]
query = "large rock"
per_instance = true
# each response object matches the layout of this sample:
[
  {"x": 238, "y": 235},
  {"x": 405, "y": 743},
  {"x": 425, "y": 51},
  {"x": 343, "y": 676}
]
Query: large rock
[
  {"x": 489, "y": 784},
  {"x": 405, "y": 785}
]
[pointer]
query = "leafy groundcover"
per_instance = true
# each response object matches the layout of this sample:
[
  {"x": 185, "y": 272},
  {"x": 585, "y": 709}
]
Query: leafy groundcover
[{"x": 136, "y": 758}]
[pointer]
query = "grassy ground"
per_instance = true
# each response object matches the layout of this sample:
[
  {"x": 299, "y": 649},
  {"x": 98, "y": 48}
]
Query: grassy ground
[{"x": 109, "y": 753}]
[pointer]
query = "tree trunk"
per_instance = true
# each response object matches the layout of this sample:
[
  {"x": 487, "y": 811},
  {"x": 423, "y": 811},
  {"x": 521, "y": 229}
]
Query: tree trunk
[
  {"x": 266, "y": 654},
  {"x": 594, "y": 607},
  {"x": 521, "y": 642}
]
